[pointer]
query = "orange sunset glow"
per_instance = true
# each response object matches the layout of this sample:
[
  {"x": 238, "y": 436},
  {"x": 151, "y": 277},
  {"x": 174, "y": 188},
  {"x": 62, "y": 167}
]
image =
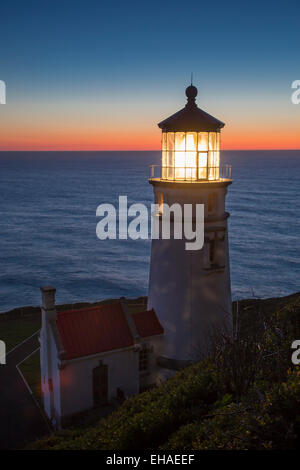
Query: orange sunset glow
[{"x": 92, "y": 140}]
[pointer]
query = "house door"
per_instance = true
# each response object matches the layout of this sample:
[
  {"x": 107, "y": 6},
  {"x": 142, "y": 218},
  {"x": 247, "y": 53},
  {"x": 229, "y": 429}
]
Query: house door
[{"x": 100, "y": 385}]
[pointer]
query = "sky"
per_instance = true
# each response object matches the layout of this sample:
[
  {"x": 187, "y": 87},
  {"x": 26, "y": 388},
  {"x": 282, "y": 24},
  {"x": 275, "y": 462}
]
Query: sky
[{"x": 100, "y": 75}]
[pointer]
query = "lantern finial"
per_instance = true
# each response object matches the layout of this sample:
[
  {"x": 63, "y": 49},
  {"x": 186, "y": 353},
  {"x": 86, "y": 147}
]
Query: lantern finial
[{"x": 191, "y": 93}]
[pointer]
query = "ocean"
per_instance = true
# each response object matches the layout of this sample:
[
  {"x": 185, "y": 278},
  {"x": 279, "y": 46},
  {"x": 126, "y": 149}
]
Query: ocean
[{"x": 48, "y": 224}]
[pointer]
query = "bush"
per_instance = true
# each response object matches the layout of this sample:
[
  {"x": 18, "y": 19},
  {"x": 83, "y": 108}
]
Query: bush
[{"x": 271, "y": 423}]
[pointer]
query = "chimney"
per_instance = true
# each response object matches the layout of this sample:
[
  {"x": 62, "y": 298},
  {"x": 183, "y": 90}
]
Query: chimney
[{"x": 48, "y": 302}]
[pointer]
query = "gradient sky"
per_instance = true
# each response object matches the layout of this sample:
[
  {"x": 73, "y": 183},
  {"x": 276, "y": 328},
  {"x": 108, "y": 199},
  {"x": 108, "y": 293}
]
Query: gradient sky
[{"x": 100, "y": 75}]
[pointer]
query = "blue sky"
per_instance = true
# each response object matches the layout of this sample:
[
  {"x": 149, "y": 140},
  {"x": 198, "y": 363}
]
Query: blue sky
[{"x": 133, "y": 60}]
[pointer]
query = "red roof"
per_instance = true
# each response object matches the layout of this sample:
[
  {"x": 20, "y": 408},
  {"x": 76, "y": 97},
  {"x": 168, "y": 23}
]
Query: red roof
[
  {"x": 93, "y": 330},
  {"x": 147, "y": 323}
]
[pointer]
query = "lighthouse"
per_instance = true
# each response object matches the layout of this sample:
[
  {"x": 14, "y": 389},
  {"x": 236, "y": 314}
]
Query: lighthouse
[{"x": 190, "y": 289}]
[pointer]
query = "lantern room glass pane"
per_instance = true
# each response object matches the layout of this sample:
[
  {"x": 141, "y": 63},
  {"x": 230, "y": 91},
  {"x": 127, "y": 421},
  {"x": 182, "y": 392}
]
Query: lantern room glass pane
[
  {"x": 191, "y": 141},
  {"x": 202, "y": 163},
  {"x": 170, "y": 141},
  {"x": 212, "y": 141},
  {"x": 218, "y": 141},
  {"x": 180, "y": 165},
  {"x": 170, "y": 159},
  {"x": 171, "y": 173},
  {"x": 191, "y": 165},
  {"x": 164, "y": 164},
  {"x": 216, "y": 159},
  {"x": 211, "y": 173},
  {"x": 164, "y": 161},
  {"x": 202, "y": 141},
  {"x": 214, "y": 165},
  {"x": 180, "y": 141},
  {"x": 179, "y": 156},
  {"x": 170, "y": 164},
  {"x": 164, "y": 141},
  {"x": 216, "y": 162},
  {"x": 180, "y": 173}
]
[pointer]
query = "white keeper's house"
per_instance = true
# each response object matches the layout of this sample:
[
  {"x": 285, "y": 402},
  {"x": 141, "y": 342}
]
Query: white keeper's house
[{"x": 92, "y": 355}]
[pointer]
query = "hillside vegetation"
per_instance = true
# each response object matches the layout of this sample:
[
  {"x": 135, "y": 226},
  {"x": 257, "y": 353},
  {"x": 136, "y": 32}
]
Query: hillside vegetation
[{"x": 246, "y": 396}]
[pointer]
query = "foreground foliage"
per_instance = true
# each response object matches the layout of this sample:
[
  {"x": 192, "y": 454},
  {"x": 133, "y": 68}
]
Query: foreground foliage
[{"x": 246, "y": 396}]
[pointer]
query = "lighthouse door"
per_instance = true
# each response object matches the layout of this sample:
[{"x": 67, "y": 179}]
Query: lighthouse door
[{"x": 100, "y": 385}]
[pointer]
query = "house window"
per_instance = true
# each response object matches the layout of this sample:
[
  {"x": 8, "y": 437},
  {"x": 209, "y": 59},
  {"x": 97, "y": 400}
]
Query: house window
[
  {"x": 143, "y": 360},
  {"x": 212, "y": 199}
]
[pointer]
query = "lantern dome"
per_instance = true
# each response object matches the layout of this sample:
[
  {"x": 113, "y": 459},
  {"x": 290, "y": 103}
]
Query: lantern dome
[{"x": 191, "y": 118}]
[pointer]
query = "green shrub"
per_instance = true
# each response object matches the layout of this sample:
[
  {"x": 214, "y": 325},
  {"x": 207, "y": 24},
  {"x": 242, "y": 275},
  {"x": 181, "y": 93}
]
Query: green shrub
[{"x": 271, "y": 423}]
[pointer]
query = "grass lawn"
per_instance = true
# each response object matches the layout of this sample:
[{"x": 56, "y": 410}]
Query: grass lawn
[
  {"x": 31, "y": 371},
  {"x": 14, "y": 330}
]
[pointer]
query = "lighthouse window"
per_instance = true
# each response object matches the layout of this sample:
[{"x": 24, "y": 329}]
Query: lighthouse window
[
  {"x": 212, "y": 251},
  {"x": 143, "y": 360}
]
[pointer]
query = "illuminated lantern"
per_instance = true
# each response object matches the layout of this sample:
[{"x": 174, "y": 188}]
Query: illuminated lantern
[
  {"x": 191, "y": 143},
  {"x": 190, "y": 290}
]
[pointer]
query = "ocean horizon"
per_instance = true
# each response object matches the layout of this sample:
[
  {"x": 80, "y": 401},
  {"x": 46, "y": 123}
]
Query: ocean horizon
[{"x": 48, "y": 224}]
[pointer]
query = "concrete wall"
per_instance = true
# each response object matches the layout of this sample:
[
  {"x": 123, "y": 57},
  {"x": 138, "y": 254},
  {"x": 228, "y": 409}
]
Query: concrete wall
[{"x": 77, "y": 379}]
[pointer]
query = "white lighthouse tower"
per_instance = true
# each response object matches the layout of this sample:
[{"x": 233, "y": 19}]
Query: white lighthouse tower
[{"x": 190, "y": 290}]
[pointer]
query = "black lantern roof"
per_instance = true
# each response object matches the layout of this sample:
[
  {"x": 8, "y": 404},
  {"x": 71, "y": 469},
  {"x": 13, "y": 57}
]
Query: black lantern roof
[{"x": 191, "y": 118}]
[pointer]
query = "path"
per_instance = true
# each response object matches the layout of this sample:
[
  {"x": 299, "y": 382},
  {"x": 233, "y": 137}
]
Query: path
[{"x": 21, "y": 419}]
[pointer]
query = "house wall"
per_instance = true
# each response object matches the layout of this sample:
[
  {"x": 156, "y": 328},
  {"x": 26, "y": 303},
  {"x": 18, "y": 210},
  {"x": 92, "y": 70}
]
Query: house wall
[
  {"x": 50, "y": 372},
  {"x": 76, "y": 379},
  {"x": 44, "y": 369},
  {"x": 55, "y": 380}
]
